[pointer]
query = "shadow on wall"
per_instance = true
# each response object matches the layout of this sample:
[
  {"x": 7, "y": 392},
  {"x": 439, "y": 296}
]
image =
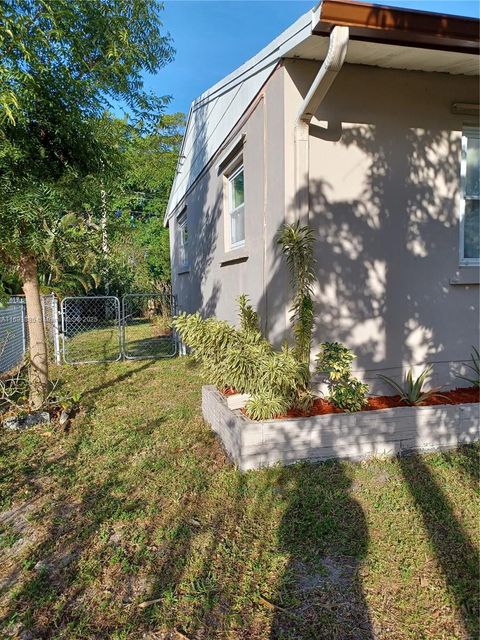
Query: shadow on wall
[
  {"x": 381, "y": 255},
  {"x": 203, "y": 225},
  {"x": 387, "y": 246}
]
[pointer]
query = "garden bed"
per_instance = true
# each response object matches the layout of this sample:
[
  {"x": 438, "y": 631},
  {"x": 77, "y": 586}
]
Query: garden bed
[{"x": 333, "y": 434}]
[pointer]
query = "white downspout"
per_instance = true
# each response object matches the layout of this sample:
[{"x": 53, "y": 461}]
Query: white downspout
[{"x": 337, "y": 50}]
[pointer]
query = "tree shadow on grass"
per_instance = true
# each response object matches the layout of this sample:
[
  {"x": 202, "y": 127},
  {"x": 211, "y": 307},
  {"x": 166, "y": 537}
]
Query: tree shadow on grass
[
  {"x": 324, "y": 531},
  {"x": 467, "y": 460},
  {"x": 107, "y": 384},
  {"x": 454, "y": 551}
]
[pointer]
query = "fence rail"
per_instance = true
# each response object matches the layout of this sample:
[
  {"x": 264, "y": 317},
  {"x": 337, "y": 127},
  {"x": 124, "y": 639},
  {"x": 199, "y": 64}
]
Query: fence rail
[{"x": 89, "y": 329}]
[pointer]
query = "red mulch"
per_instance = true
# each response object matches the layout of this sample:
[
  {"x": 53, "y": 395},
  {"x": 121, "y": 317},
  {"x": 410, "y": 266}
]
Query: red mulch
[
  {"x": 321, "y": 407},
  {"x": 456, "y": 396}
]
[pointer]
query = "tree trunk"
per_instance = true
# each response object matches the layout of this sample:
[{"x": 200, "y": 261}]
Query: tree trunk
[{"x": 38, "y": 363}]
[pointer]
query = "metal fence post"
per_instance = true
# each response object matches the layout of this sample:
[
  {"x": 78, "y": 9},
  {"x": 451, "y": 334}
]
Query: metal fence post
[{"x": 55, "y": 329}]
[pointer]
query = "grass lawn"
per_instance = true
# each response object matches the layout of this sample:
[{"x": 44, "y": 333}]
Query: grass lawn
[
  {"x": 141, "y": 340},
  {"x": 136, "y": 503}
]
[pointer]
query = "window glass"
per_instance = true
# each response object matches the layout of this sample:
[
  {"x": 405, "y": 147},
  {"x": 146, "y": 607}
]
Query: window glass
[
  {"x": 237, "y": 220},
  {"x": 237, "y": 190},
  {"x": 471, "y": 230},
  {"x": 470, "y": 205},
  {"x": 472, "y": 183},
  {"x": 236, "y": 209},
  {"x": 182, "y": 240}
]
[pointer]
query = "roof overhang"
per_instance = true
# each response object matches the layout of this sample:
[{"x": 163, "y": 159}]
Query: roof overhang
[
  {"x": 405, "y": 27},
  {"x": 380, "y": 36}
]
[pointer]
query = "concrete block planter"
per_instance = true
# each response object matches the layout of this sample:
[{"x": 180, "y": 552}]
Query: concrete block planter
[{"x": 356, "y": 436}]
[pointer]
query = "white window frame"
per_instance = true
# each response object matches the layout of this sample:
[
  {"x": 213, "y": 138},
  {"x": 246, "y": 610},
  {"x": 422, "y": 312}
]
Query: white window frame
[
  {"x": 182, "y": 235},
  {"x": 239, "y": 168},
  {"x": 468, "y": 132}
]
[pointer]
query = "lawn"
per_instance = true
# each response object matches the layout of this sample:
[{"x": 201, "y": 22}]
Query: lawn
[
  {"x": 132, "y": 524},
  {"x": 141, "y": 339}
]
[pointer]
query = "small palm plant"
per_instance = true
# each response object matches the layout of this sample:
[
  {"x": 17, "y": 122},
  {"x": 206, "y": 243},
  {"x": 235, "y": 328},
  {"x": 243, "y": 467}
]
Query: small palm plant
[
  {"x": 475, "y": 367},
  {"x": 413, "y": 392},
  {"x": 297, "y": 245}
]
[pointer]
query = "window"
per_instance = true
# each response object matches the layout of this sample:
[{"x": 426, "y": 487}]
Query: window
[
  {"x": 470, "y": 198},
  {"x": 182, "y": 239},
  {"x": 236, "y": 210}
]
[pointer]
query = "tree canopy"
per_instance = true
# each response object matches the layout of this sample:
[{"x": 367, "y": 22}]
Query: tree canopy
[{"x": 64, "y": 64}]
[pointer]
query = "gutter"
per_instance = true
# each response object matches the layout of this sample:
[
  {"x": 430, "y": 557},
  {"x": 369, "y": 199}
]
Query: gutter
[{"x": 337, "y": 50}]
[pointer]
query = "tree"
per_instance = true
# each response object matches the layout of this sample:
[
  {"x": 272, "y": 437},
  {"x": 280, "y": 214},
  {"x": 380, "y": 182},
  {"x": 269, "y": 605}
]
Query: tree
[
  {"x": 62, "y": 64},
  {"x": 137, "y": 197}
]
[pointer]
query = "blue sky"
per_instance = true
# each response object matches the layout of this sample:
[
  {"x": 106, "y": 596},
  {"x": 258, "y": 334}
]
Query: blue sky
[{"x": 212, "y": 38}]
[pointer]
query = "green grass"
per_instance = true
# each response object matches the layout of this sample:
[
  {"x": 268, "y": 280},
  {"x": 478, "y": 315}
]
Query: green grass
[
  {"x": 137, "y": 502},
  {"x": 141, "y": 337}
]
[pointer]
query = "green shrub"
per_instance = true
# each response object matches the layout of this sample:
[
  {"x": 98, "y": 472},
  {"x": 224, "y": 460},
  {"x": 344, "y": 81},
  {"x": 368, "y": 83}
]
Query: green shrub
[
  {"x": 265, "y": 405},
  {"x": 412, "y": 392},
  {"x": 349, "y": 394},
  {"x": 297, "y": 244},
  {"x": 344, "y": 390},
  {"x": 243, "y": 360}
]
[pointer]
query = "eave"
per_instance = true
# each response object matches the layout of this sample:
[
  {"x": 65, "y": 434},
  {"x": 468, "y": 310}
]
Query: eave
[{"x": 405, "y": 27}]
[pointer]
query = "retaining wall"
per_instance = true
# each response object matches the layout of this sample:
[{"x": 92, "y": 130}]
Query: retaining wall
[{"x": 355, "y": 436}]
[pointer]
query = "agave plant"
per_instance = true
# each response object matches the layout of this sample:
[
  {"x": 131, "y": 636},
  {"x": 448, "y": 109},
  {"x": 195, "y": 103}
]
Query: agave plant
[
  {"x": 475, "y": 367},
  {"x": 412, "y": 392}
]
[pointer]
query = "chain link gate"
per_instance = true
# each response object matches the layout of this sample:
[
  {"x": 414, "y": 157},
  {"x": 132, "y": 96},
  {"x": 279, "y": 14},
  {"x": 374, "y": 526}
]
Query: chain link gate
[
  {"x": 146, "y": 322},
  {"x": 99, "y": 329}
]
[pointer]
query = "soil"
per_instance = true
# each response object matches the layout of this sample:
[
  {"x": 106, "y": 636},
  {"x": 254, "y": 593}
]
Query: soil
[
  {"x": 455, "y": 396},
  {"x": 321, "y": 407}
]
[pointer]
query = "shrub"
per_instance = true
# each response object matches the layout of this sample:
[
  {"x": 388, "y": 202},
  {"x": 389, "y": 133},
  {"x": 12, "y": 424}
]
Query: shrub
[
  {"x": 344, "y": 390},
  {"x": 297, "y": 245},
  {"x": 412, "y": 392},
  {"x": 243, "y": 360},
  {"x": 475, "y": 367}
]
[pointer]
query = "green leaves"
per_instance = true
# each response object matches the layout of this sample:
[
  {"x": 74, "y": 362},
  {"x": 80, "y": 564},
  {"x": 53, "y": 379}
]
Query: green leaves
[
  {"x": 241, "y": 359},
  {"x": 345, "y": 391},
  {"x": 412, "y": 392},
  {"x": 94, "y": 52},
  {"x": 335, "y": 360},
  {"x": 474, "y": 367},
  {"x": 297, "y": 245}
]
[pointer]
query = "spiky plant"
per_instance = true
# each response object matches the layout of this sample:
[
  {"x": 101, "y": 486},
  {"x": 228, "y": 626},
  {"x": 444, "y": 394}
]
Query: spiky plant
[
  {"x": 243, "y": 360},
  {"x": 265, "y": 405},
  {"x": 412, "y": 392},
  {"x": 297, "y": 246},
  {"x": 475, "y": 367}
]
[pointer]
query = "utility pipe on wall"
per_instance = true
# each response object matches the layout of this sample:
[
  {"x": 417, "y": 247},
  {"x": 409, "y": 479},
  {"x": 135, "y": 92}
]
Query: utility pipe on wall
[{"x": 337, "y": 50}]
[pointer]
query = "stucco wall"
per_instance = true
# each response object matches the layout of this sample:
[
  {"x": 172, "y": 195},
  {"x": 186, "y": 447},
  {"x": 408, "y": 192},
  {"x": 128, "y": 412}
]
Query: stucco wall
[
  {"x": 384, "y": 200},
  {"x": 216, "y": 277},
  {"x": 384, "y": 203}
]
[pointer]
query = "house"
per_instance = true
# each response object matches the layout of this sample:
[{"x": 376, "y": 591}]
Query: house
[{"x": 362, "y": 121}]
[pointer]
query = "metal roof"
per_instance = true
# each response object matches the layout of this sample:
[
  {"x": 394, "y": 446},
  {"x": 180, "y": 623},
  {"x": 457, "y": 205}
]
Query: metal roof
[{"x": 213, "y": 115}]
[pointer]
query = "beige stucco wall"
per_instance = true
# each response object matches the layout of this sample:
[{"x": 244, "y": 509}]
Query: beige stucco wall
[
  {"x": 384, "y": 203},
  {"x": 384, "y": 181}
]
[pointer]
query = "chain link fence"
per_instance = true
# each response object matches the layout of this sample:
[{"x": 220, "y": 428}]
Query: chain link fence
[
  {"x": 14, "y": 331},
  {"x": 147, "y": 331},
  {"x": 91, "y": 329}
]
